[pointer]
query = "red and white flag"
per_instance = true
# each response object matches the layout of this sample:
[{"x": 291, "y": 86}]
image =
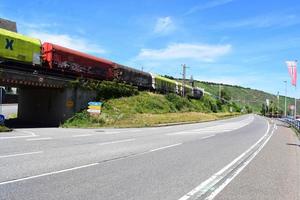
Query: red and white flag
[{"x": 292, "y": 67}]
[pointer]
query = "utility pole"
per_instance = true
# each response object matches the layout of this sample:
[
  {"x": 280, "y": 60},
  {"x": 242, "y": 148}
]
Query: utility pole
[
  {"x": 220, "y": 91},
  {"x": 277, "y": 102},
  {"x": 295, "y": 110},
  {"x": 285, "y": 98},
  {"x": 183, "y": 79}
]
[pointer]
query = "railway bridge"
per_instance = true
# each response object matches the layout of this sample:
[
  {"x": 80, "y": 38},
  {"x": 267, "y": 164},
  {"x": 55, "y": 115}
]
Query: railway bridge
[{"x": 44, "y": 99}]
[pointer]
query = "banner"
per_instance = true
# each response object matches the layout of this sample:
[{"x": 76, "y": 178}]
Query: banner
[{"x": 292, "y": 67}]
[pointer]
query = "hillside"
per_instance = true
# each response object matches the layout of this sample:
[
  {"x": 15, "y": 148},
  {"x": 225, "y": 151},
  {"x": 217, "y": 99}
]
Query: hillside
[{"x": 246, "y": 96}]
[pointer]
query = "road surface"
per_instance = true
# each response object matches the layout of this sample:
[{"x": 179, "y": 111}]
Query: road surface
[
  {"x": 8, "y": 109},
  {"x": 249, "y": 157}
]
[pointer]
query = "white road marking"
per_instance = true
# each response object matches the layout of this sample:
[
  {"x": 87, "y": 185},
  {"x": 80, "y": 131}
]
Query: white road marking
[
  {"x": 38, "y": 139},
  {"x": 21, "y": 154},
  {"x": 165, "y": 147},
  {"x": 223, "y": 185},
  {"x": 31, "y": 134},
  {"x": 207, "y": 137},
  {"x": 117, "y": 141},
  {"x": 226, "y": 127},
  {"x": 210, "y": 182},
  {"x": 82, "y": 135},
  {"x": 48, "y": 174}
]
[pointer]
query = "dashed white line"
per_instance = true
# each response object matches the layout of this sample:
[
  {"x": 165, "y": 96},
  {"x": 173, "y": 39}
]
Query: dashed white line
[
  {"x": 165, "y": 147},
  {"x": 207, "y": 137},
  {"x": 21, "y": 154},
  {"x": 117, "y": 141},
  {"x": 39, "y": 139},
  {"x": 49, "y": 173}
]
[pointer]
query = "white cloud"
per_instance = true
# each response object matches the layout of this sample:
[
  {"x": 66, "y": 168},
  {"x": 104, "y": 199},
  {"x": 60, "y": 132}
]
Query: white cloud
[
  {"x": 198, "y": 52},
  {"x": 209, "y": 4},
  {"x": 164, "y": 25},
  {"x": 68, "y": 41}
]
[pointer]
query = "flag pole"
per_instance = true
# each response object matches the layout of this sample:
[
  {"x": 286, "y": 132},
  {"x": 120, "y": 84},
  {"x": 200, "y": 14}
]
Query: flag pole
[{"x": 295, "y": 112}]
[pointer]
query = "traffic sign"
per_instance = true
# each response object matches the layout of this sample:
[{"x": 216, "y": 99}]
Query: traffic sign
[
  {"x": 94, "y": 111},
  {"x": 2, "y": 119},
  {"x": 70, "y": 103},
  {"x": 95, "y": 107},
  {"x": 93, "y": 103}
]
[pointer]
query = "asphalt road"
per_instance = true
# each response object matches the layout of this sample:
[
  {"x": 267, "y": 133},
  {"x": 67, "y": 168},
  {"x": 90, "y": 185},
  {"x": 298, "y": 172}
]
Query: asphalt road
[
  {"x": 8, "y": 109},
  {"x": 248, "y": 157}
]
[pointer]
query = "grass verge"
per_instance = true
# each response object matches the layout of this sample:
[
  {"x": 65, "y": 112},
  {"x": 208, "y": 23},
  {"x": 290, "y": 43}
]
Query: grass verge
[
  {"x": 4, "y": 129},
  {"x": 150, "y": 109}
]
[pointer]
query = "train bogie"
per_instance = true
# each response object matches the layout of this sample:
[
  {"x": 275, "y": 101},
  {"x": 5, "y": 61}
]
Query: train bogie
[{"x": 19, "y": 48}]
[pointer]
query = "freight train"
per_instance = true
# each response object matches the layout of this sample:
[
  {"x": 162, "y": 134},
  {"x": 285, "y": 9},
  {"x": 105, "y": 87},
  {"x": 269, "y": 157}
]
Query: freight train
[{"x": 29, "y": 53}]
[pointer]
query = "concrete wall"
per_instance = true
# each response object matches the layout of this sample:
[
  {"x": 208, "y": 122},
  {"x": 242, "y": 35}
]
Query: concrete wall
[{"x": 51, "y": 106}]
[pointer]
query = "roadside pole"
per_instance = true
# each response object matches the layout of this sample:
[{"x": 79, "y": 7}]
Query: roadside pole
[
  {"x": 278, "y": 103},
  {"x": 295, "y": 111},
  {"x": 183, "y": 79},
  {"x": 1, "y": 88},
  {"x": 285, "y": 98}
]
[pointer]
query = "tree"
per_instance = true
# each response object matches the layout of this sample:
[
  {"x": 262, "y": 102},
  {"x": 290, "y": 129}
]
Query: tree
[{"x": 264, "y": 109}]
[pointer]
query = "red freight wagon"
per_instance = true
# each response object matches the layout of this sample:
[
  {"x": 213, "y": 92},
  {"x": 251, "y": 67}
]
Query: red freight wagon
[{"x": 76, "y": 63}]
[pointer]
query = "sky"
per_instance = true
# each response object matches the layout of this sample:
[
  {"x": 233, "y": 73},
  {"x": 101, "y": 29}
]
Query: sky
[{"x": 239, "y": 42}]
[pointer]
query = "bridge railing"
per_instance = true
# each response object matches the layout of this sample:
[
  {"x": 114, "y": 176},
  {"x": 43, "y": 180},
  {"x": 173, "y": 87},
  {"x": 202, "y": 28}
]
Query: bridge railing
[{"x": 291, "y": 121}]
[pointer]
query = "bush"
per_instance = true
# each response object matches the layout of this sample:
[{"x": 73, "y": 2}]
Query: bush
[
  {"x": 107, "y": 89},
  {"x": 180, "y": 103}
]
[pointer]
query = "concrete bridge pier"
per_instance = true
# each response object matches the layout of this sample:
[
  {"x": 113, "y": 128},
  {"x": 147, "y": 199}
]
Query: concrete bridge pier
[{"x": 51, "y": 106}]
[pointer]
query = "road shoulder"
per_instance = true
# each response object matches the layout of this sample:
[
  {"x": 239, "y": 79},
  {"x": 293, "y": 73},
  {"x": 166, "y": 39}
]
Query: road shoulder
[{"x": 273, "y": 174}]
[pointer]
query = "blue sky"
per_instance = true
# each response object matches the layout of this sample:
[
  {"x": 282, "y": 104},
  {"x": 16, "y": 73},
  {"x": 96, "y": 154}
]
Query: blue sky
[{"x": 238, "y": 42}]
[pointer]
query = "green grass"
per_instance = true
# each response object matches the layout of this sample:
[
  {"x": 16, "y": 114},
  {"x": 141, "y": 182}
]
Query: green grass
[
  {"x": 147, "y": 109},
  {"x": 4, "y": 129}
]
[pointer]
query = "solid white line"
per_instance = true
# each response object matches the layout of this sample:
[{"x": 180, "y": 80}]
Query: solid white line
[
  {"x": 117, "y": 141},
  {"x": 204, "y": 186},
  {"x": 38, "y": 139},
  {"x": 20, "y": 154},
  {"x": 165, "y": 147},
  {"x": 222, "y": 186},
  {"x": 82, "y": 135},
  {"x": 48, "y": 174}
]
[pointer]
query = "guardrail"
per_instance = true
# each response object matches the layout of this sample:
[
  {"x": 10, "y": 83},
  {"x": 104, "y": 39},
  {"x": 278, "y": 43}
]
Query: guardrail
[{"x": 291, "y": 121}]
